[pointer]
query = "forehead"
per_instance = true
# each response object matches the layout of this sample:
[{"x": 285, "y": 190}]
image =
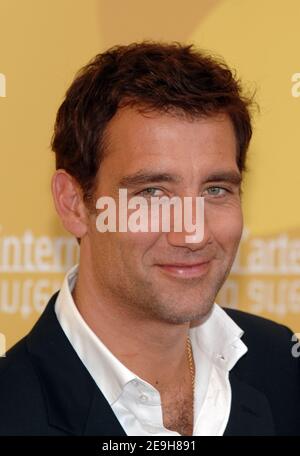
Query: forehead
[{"x": 166, "y": 142}]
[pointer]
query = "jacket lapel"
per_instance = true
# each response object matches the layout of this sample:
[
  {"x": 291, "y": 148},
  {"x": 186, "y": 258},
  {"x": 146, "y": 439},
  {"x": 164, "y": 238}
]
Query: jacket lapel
[
  {"x": 74, "y": 403},
  {"x": 250, "y": 410},
  {"x": 101, "y": 419}
]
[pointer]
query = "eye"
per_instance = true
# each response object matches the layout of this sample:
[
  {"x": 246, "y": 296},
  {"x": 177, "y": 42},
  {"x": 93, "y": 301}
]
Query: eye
[
  {"x": 151, "y": 191},
  {"x": 216, "y": 191}
]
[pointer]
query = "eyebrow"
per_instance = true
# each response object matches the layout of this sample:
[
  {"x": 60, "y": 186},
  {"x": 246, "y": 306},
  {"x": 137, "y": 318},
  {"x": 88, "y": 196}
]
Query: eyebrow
[
  {"x": 144, "y": 177},
  {"x": 232, "y": 177}
]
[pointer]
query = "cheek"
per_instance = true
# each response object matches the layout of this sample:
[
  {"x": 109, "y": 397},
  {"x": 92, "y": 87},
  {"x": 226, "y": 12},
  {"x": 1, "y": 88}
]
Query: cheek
[
  {"x": 134, "y": 246},
  {"x": 226, "y": 225}
]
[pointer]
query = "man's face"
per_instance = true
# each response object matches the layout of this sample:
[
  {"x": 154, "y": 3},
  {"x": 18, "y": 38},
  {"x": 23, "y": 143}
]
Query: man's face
[{"x": 159, "y": 275}]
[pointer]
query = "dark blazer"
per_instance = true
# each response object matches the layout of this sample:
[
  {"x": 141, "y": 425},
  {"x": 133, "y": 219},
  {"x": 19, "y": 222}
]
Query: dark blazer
[{"x": 46, "y": 390}]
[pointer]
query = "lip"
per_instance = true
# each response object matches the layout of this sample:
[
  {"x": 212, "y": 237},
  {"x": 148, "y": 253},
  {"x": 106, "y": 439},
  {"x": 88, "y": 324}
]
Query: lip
[{"x": 185, "y": 271}]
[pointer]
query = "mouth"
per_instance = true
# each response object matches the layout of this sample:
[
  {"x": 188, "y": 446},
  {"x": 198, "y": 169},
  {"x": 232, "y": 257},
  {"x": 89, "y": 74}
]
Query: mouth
[{"x": 185, "y": 271}]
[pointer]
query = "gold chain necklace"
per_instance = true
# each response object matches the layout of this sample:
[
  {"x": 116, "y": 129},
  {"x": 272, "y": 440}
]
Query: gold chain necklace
[{"x": 191, "y": 362}]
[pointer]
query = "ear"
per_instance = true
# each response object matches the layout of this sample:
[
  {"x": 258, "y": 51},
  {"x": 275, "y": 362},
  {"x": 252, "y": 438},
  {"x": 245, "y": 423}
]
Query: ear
[{"x": 69, "y": 203}]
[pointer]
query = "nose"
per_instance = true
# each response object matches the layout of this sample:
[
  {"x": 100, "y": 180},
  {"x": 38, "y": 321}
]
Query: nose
[{"x": 195, "y": 231}]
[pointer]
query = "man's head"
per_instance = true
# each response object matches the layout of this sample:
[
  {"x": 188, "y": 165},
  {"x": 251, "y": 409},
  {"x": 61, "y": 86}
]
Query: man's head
[{"x": 167, "y": 121}]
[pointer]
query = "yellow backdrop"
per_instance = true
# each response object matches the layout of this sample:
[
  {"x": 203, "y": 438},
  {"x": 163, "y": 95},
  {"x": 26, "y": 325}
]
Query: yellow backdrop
[{"x": 44, "y": 42}]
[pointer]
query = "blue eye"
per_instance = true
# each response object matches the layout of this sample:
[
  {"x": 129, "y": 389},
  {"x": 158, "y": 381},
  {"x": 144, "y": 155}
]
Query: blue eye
[
  {"x": 216, "y": 191},
  {"x": 150, "y": 191}
]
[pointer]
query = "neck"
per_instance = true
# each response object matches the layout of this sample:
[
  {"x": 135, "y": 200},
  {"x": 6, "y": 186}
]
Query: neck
[{"x": 157, "y": 352}]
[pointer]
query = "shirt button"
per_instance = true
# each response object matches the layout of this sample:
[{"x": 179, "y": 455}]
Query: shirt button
[{"x": 143, "y": 398}]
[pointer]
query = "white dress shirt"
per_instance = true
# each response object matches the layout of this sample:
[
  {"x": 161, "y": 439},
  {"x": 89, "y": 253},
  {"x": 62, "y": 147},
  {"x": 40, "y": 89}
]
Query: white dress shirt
[{"x": 136, "y": 403}]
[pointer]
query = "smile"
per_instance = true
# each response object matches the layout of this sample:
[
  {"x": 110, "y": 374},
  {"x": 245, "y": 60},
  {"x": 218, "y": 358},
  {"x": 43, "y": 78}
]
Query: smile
[{"x": 185, "y": 271}]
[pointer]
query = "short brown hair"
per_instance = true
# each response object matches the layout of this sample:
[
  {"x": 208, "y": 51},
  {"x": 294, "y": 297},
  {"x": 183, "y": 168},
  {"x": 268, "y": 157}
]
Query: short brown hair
[{"x": 158, "y": 76}]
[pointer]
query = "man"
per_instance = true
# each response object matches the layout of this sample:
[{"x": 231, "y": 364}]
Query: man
[{"x": 134, "y": 343}]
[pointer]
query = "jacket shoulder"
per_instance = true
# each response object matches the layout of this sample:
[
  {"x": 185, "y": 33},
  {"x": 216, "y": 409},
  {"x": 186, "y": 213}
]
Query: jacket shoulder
[
  {"x": 20, "y": 393},
  {"x": 272, "y": 366},
  {"x": 254, "y": 321},
  {"x": 262, "y": 332}
]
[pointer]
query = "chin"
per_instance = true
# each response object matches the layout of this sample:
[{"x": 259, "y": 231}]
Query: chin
[
  {"x": 179, "y": 319},
  {"x": 179, "y": 311}
]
